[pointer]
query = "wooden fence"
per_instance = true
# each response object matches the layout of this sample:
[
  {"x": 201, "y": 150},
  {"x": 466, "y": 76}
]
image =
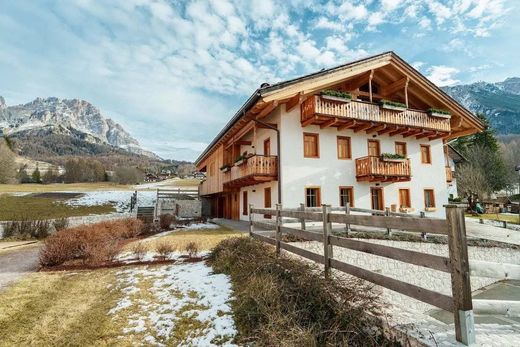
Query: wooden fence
[{"x": 457, "y": 264}]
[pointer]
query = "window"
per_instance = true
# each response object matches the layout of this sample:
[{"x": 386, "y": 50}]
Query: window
[
  {"x": 245, "y": 208},
  {"x": 346, "y": 196},
  {"x": 404, "y": 198},
  {"x": 344, "y": 151},
  {"x": 312, "y": 197},
  {"x": 373, "y": 148},
  {"x": 400, "y": 148},
  {"x": 429, "y": 198},
  {"x": 311, "y": 147},
  {"x": 267, "y": 201},
  {"x": 267, "y": 147},
  {"x": 425, "y": 154}
]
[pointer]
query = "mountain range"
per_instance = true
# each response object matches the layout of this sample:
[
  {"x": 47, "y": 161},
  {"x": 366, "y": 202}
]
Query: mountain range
[
  {"x": 72, "y": 119},
  {"x": 499, "y": 102}
]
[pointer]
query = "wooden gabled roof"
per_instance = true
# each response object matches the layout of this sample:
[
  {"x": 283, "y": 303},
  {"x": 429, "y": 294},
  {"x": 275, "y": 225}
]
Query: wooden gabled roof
[{"x": 388, "y": 69}]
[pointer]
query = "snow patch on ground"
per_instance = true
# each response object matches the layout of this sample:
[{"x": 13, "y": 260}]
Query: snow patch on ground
[
  {"x": 174, "y": 295},
  {"x": 195, "y": 226},
  {"x": 120, "y": 199}
]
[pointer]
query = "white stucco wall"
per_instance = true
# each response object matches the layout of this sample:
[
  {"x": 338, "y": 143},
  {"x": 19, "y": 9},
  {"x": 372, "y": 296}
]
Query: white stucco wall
[{"x": 452, "y": 186}]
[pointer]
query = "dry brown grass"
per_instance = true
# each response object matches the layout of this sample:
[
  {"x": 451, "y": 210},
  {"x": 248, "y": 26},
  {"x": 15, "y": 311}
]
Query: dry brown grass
[
  {"x": 60, "y": 309},
  {"x": 59, "y": 187},
  {"x": 206, "y": 239}
]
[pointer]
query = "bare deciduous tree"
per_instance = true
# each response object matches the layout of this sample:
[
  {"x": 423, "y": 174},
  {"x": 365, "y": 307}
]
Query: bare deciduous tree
[
  {"x": 186, "y": 169},
  {"x": 128, "y": 175},
  {"x": 471, "y": 180}
]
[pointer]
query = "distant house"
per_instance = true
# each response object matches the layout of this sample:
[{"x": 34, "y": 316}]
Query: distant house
[
  {"x": 498, "y": 205},
  {"x": 372, "y": 134},
  {"x": 453, "y": 158}
]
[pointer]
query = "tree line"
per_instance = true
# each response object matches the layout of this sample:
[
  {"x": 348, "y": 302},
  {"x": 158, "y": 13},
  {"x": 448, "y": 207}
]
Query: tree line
[{"x": 489, "y": 165}]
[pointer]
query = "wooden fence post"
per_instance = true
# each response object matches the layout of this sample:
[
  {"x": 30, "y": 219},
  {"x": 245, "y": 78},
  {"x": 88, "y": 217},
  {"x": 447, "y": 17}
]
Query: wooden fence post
[
  {"x": 251, "y": 228},
  {"x": 327, "y": 247},
  {"x": 347, "y": 212},
  {"x": 302, "y": 220},
  {"x": 460, "y": 279},
  {"x": 423, "y": 235},
  {"x": 387, "y": 213},
  {"x": 278, "y": 230}
]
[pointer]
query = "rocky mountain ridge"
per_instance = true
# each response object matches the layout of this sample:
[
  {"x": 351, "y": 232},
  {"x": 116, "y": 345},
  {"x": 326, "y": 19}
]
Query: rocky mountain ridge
[{"x": 71, "y": 117}]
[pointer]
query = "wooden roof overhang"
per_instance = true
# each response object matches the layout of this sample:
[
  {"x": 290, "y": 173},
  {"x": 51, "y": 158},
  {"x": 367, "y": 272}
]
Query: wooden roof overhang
[{"x": 392, "y": 73}]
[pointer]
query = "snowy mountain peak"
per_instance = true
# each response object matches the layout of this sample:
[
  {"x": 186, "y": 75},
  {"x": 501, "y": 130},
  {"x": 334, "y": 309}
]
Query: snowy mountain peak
[{"x": 74, "y": 114}]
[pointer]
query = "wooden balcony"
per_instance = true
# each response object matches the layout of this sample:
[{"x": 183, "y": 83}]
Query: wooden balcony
[
  {"x": 375, "y": 169},
  {"x": 371, "y": 117},
  {"x": 449, "y": 174},
  {"x": 257, "y": 169}
]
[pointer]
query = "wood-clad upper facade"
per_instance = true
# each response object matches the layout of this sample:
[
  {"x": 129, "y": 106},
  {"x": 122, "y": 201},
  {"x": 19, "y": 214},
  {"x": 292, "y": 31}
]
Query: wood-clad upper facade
[{"x": 246, "y": 153}]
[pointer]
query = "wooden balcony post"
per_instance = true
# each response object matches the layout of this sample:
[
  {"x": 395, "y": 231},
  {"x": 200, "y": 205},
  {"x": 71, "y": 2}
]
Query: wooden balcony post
[
  {"x": 278, "y": 229},
  {"x": 327, "y": 247},
  {"x": 460, "y": 279},
  {"x": 302, "y": 220}
]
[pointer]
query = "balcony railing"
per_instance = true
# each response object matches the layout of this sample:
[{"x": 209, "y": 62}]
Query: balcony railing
[
  {"x": 449, "y": 174},
  {"x": 375, "y": 169},
  {"x": 370, "y": 112},
  {"x": 254, "y": 170}
]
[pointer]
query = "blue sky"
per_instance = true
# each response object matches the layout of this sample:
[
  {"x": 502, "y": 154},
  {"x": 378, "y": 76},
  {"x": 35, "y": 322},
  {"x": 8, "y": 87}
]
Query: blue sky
[{"x": 173, "y": 72}]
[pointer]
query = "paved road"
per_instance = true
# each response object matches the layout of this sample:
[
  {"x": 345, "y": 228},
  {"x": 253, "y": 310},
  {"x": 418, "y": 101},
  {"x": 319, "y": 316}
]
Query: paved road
[{"x": 16, "y": 262}]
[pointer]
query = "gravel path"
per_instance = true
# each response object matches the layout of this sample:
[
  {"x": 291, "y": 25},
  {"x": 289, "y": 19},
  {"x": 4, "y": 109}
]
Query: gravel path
[{"x": 17, "y": 262}]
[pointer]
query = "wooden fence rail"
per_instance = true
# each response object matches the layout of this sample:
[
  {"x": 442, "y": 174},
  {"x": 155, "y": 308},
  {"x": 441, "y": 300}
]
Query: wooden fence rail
[{"x": 460, "y": 303}]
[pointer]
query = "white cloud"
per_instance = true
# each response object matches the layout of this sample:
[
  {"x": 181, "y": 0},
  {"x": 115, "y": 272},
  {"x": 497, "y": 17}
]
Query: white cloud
[
  {"x": 443, "y": 75},
  {"x": 325, "y": 23},
  {"x": 349, "y": 11}
]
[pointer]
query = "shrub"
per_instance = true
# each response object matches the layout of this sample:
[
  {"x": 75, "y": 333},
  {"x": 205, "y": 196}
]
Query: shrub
[
  {"x": 139, "y": 250},
  {"x": 60, "y": 224},
  {"x": 164, "y": 248},
  {"x": 26, "y": 229},
  {"x": 166, "y": 220},
  {"x": 281, "y": 301},
  {"x": 192, "y": 248},
  {"x": 95, "y": 244}
]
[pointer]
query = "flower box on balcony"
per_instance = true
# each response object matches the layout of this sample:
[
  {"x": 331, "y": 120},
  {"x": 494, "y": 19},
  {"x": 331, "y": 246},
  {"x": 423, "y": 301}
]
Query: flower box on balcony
[
  {"x": 225, "y": 168},
  {"x": 336, "y": 96},
  {"x": 392, "y": 105},
  {"x": 435, "y": 112},
  {"x": 396, "y": 158},
  {"x": 242, "y": 159}
]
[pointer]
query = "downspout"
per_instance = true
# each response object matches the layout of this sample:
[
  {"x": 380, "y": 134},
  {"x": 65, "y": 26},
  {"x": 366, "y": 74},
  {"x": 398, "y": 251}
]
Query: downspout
[{"x": 279, "y": 157}]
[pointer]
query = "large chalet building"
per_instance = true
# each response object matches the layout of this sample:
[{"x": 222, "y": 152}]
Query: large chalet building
[{"x": 372, "y": 134}]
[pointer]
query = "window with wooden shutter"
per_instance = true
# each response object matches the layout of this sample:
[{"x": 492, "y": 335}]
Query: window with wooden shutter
[
  {"x": 373, "y": 148},
  {"x": 425, "y": 154},
  {"x": 400, "y": 148},
  {"x": 312, "y": 197},
  {"x": 344, "y": 151},
  {"x": 267, "y": 200},
  {"x": 311, "y": 147},
  {"x": 346, "y": 196},
  {"x": 429, "y": 198},
  {"x": 404, "y": 198},
  {"x": 245, "y": 207}
]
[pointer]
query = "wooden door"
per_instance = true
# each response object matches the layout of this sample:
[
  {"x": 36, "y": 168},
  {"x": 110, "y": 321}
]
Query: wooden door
[
  {"x": 267, "y": 200},
  {"x": 376, "y": 195},
  {"x": 267, "y": 147},
  {"x": 373, "y": 148},
  {"x": 245, "y": 207},
  {"x": 235, "y": 206}
]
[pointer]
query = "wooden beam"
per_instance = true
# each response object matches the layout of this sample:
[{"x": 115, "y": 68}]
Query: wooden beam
[
  {"x": 348, "y": 125},
  {"x": 265, "y": 112},
  {"x": 357, "y": 81},
  {"x": 394, "y": 87},
  {"x": 439, "y": 136},
  {"x": 329, "y": 123},
  {"x": 293, "y": 102},
  {"x": 363, "y": 127},
  {"x": 370, "y": 83},
  {"x": 388, "y": 129},
  {"x": 309, "y": 121},
  {"x": 406, "y": 91},
  {"x": 425, "y": 134},
  {"x": 398, "y": 131},
  {"x": 412, "y": 132},
  {"x": 262, "y": 126},
  {"x": 376, "y": 128},
  {"x": 243, "y": 143}
]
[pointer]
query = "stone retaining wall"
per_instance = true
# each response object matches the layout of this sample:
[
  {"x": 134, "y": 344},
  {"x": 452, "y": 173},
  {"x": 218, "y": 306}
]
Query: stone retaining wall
[{"x": 80, "y": 220}]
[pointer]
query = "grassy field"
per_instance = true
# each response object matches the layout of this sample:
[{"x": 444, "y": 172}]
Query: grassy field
[
  {"x": 60, "y": 187},
  {"x": 59, "y": 309},
  {"x": 493, "y": 216},
  {"x": 28, "y": 207},
  {"x": 205, "y": 239}
]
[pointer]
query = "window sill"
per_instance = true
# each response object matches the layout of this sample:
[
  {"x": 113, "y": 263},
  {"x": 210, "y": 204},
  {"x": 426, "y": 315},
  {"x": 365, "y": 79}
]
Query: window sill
[{"x": 430, "y": 209}]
